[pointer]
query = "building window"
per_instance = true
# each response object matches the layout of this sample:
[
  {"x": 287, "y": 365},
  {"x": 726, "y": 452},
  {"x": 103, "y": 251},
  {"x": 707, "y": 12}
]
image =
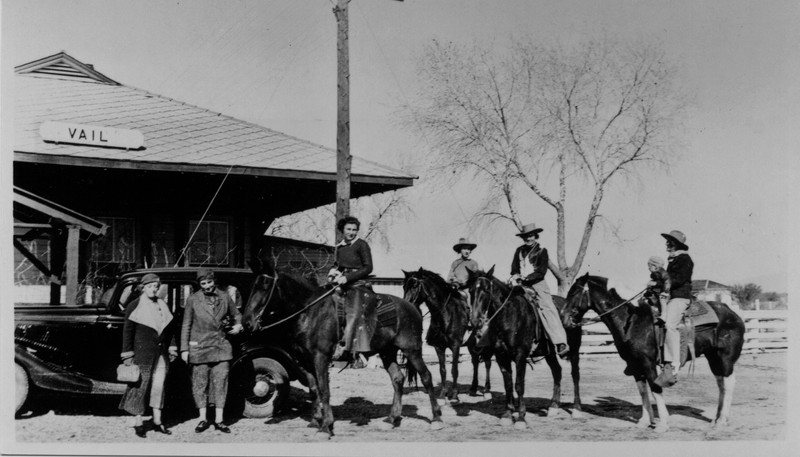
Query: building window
[
  {"x": 209, "y": 243},
  {"x": 119, "y": 243}
]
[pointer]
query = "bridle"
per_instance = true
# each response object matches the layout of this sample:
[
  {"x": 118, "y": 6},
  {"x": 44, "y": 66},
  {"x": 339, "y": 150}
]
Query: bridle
[
  {"x": 269, "y": 297},
  {"x": 419, "y": 283},
  {"x": 491, "y": 295},
  {"x": 598, "y": 318}
]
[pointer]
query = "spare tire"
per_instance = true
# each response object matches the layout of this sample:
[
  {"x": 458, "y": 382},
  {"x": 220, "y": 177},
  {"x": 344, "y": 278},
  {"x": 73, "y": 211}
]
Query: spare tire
[{"x": 264, "y": 386}]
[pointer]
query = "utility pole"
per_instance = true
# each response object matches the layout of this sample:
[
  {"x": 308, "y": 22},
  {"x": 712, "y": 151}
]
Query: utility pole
[{"x": 343, "y": 158}]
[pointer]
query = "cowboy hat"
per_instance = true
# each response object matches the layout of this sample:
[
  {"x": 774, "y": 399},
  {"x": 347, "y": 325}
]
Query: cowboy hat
[
  {"x": 529, "y": 229},
  {"x": 678, "y": 238},
  {"x": 464, "y": 243}
]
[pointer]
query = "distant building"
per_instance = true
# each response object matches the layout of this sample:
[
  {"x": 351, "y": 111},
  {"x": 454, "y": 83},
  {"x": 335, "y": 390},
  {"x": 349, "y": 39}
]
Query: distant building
[{"x": 705, "y": 289}]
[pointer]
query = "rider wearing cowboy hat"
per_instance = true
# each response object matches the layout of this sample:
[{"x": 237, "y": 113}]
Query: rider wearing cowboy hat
[
  {"x": 458, "y": 274},
  {"x": 679, "y": 270},
  {"x": 528, "y": 269}
]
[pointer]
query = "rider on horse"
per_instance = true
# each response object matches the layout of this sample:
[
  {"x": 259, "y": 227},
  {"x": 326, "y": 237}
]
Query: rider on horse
[
  {"x": 679, "y": 295},
  {"x": 528, "y": 269},
  {"x": 458, "y": 275},
  {"x": 659, "y": 284},
  {"x": 353, "y": 266}
]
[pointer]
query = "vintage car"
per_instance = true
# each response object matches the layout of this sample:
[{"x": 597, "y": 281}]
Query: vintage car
[{"x": 76, "y": 349}]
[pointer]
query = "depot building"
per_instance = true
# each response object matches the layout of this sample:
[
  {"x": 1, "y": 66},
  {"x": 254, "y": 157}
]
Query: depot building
[{"x": 119, "y": 178}]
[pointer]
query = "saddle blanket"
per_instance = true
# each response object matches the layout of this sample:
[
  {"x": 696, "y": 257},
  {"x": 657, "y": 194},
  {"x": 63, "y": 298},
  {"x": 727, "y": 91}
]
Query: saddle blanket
[{"x": 701, "y": 313}]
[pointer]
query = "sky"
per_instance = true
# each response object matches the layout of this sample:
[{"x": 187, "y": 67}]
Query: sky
[{"x": 273, "y": 63}]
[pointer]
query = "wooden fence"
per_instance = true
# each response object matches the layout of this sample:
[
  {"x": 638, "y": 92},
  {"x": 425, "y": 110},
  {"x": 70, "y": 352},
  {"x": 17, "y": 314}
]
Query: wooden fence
[{"x": 765, "y": 329}]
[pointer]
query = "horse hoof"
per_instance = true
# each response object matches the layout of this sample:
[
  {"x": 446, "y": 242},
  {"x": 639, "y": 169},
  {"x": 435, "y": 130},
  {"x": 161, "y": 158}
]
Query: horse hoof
[
  {"x": 322, "y": 436},
  {"x": 487, "y": 395},
  {"x": 521, "y": 425},
  {"x": 506, "y": 422},
  {"x": 385, "y": 425},
  {"x": 577, "y": 414},
  {"x": 553, "y": 412},
  {"x": 719, "y": 423},
  {"x": 644, "y": 423},
  {"x": 437, "y": 425},
  {"x": 661, "y": 428}
]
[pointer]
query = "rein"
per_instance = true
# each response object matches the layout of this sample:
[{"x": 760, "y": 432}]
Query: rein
[
  {"x": 597, "y": 319},
  {"x": 491, "y": 292},
  {"x": 329, "y": 292}
]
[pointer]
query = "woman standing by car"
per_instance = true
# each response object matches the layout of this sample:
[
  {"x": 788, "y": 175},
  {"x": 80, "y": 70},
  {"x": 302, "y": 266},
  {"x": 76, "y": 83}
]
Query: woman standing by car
[
  {"x": 206, "y": 349},
  {"x": 149, "y": 341}
]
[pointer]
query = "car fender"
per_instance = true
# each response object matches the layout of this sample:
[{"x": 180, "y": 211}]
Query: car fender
[
  {"x": 253, "y": 349},
  {"x": 47, "y": 376}
]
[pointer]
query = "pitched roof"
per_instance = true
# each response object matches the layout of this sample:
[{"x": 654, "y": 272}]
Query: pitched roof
[
  {"x": 705, "y": 284},
  {"x": 177, "y": 136}
]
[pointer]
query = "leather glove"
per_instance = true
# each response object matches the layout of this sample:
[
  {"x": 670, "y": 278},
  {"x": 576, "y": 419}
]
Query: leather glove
[{"x": 341, "y": 280}]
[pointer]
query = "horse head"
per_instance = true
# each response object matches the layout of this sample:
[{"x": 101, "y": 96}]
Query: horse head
[
  {"x": 587, "y": 292},
  {"x": 482, "y": 287},
  {"x": 414, "y": 289},
  {"x": 260, "y": 296}
]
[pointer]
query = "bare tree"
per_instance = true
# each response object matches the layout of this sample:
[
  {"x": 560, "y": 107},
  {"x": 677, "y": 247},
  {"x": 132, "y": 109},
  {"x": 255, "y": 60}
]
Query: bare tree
[
  {"x": 530, "y": 121},
  {"x": 375, "y": 212}
]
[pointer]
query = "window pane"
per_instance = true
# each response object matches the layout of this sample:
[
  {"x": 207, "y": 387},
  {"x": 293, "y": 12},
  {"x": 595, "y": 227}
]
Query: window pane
[{"x": 209, "y": 245}]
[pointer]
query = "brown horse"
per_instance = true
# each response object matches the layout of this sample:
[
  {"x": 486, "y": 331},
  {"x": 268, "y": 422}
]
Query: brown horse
[
  {"x": 449, "y": 325},
  {"x": 634, "y": 336},
  {"x": 508, "y": 326},
  {"x": 310, "y": 320}
]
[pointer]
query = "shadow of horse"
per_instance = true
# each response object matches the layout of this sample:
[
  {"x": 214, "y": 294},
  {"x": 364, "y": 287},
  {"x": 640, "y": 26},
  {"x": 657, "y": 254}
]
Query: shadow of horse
[{"x": 615, "y": 408}]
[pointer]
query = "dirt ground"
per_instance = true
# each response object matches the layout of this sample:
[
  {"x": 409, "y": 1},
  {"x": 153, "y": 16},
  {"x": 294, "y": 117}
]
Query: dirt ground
[{"x": 361, "y": 399}]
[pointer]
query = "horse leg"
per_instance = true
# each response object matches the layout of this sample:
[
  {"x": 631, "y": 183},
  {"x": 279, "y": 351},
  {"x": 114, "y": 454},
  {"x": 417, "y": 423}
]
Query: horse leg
[
  {"x": 661, "y": 405},
  {"x": 522, "y": 366},
  {"x": 440, "y": 354},
  {"x": 476, "y": 361},
  {"x": 321, "y": 362},
  {"x": 504, "y": 362},
  {"x": 487, "y": 387},
  {"x": 726, "y": 385},
  {"x": 555, "y": 369},
  {"x": 414, "y": 357},
  {"x": 313, "y": 392},
  {"x": 452, "y": 394},
  {"x": 396, "y": 375},
  {"x": 647, "y": 418},
  {"x": 575, "y": 360}
]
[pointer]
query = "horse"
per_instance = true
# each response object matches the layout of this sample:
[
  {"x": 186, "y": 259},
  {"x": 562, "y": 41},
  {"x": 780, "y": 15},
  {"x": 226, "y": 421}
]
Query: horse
[
  {"x": 508, "y": 324},
  {"x": 634, "y": 336},
  {"x": 309, "y": 313},
  {"x": 449, "y": 324}
]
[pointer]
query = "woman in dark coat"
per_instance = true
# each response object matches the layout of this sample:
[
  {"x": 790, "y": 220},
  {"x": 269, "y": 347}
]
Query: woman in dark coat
[
  {"x": 149, "y": 341},
  {"x": 206, "y": 348}
]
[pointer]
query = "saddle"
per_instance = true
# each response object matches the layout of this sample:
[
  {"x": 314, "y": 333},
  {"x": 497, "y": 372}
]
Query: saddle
[{"x": 699, "y": 314}]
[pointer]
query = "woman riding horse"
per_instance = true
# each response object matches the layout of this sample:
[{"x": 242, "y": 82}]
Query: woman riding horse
[
  {"x": 634, "y": 336},
  {"x": 510, "y": 322},
  {"x": 308, "y": 314}
]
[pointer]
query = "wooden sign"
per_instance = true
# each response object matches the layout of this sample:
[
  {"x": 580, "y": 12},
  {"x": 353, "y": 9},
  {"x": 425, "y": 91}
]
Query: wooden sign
[{"x": 91, "y": 135}]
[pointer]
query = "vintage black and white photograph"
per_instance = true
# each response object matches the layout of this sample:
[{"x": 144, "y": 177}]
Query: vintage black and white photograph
[{"x": 399, "y": 227}]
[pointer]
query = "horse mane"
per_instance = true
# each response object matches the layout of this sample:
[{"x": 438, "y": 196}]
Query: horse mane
[{"x": 435, "y": 277}]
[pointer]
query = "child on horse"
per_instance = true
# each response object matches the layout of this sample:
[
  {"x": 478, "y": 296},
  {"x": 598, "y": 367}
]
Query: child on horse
[
  {"x": 353, "y": 266},
  {"x": 679, "y": 295},
  {"x": 458, "y": 274},
  {"x": 659, "y": 284},
  {"x": 528, "y": 268}
]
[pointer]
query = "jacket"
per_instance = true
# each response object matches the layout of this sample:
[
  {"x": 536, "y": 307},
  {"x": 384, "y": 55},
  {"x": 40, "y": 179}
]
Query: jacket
[
  {"x": 354, "y": 260},
  {"x": 539, "y": 260},
  {"x": 202, "y": 331},
  {"x": 680, "y": 269}
]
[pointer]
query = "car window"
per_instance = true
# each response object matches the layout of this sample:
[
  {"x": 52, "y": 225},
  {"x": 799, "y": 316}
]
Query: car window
[{"x": 129, "y": 295}]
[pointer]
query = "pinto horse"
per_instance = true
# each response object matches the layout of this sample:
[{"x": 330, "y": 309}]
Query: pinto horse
[
  {"x": 449, "y": 324},
  {"x": 631, "y": 327},
  {"x": 508, "y": 324},
  {"x": 310, "y": 315}
]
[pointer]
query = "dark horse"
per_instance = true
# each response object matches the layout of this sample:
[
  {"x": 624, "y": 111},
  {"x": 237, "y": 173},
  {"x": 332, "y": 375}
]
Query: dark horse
[
  {"x": 634, "y": 336},
  {"x": 449, "y": 324},
  {"x": 314, "y": 330},
  {"x": 508, "y": 323}
]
